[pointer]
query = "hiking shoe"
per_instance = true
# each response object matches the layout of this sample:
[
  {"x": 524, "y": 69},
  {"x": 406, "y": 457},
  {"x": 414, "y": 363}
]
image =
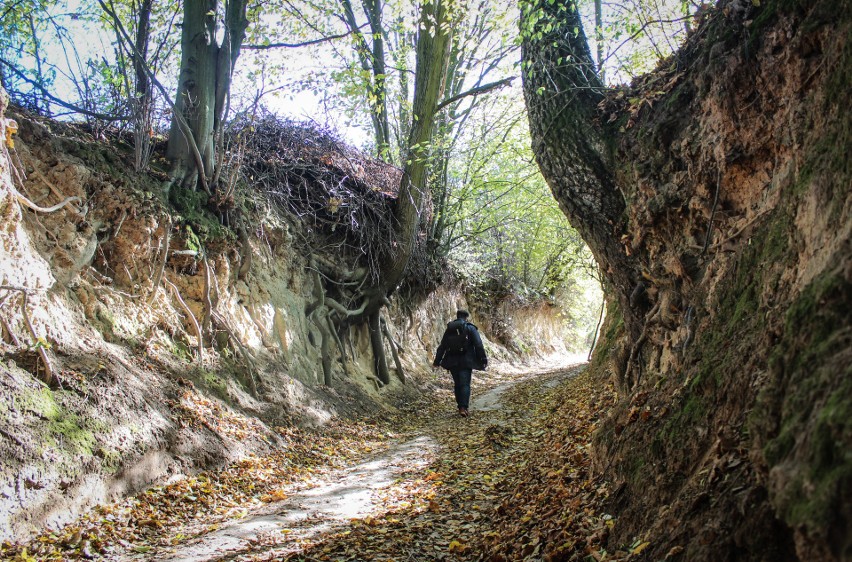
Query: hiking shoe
[{"x": 463, "y": 412}]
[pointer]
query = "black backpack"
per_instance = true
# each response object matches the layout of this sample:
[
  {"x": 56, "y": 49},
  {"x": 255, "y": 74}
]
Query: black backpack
[{"x": 458, "y": 337}]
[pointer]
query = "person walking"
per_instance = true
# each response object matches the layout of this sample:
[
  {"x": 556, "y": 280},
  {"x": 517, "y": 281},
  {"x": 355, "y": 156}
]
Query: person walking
[{"x": 460, "y": 352}]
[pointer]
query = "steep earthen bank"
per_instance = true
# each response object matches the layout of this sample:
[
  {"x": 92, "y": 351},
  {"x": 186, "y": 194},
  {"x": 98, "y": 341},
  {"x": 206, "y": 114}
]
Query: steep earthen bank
[
  {"x": 732, "y": 438},
  {"x": 116, "y": 284}
]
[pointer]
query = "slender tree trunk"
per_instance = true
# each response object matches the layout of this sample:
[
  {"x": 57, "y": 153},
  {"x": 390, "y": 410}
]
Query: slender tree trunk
[
  {"x": 562, "y": 90},
  {"x": 372, "y": 60},
  {"x": 599, "y": 38},
  {"x": 433, "y": 48},
  {"x": 143, "y": 102}
]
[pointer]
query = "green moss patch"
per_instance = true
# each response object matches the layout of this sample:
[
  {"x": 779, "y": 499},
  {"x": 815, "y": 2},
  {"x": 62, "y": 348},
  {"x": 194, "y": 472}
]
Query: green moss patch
[{"x": 813, "y": 367}]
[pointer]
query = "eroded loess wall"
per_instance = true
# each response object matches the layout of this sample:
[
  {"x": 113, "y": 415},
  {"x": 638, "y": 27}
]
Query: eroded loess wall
[{"x": 733, "y": 440}]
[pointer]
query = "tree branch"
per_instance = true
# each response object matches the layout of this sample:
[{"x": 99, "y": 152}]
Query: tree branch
[
  {"x": 303, "y": 44},
  {"x": 475, "y": 92},
  {"x": 70, "y": 106}
]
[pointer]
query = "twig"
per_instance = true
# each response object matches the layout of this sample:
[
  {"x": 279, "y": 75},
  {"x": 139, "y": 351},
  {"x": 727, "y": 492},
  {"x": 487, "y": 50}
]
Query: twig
[
  {"x": 120, "y": 223},
  {"x": 651, "y": 316},
  {"x": 713, "y": 211}
]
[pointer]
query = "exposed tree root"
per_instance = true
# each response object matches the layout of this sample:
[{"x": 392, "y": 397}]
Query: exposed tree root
[
  {"x": 245, "y": 254},
  {"x": 161, "y": 266},
  {"x": 193, "y": 321},
  {"x": 394, "y": 346},
  {"x": 206, "y": 317},
  {"x": 244, "y": 352},
  {"x": 651, "y": 317},
  {"x": 37, "y": 342}
]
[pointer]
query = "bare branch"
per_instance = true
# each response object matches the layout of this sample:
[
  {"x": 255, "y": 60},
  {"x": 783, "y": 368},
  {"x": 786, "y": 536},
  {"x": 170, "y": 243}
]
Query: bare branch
[
  {"x": 302, "y": 44},
  {"x": 475, "y": 92},
  {"x": 70, "y": 106}
]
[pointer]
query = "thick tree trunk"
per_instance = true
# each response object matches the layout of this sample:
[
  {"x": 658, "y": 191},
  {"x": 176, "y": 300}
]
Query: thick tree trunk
[
  {"x": 562, "y": 89},
  {"x": 196, "y": 93},
  {"x": 203, "y": 85},
  {"x": 433, "y": 48}
]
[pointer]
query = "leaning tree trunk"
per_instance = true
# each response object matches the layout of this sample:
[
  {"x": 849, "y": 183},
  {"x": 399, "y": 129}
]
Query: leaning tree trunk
[
  {"x": 433, "y": 49},
  {"x": 562, "y": 89},
  {"x": 433, "y": 46}
]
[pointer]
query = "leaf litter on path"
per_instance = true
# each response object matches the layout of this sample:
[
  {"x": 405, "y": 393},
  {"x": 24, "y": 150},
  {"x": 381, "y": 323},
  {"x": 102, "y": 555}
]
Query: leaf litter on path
[{"x": 511, "y": 482}]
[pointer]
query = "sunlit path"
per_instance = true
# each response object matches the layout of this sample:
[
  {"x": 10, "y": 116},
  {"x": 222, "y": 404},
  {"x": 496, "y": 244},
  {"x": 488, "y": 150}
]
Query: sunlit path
[{"x": 427, "y": 497}]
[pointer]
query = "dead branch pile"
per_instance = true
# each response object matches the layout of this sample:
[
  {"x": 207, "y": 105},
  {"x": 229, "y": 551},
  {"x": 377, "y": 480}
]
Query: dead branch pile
[{"x": 342, "y": 196}]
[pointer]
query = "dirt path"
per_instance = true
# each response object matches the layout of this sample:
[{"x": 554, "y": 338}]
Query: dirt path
[
  {"x": 422, "y": 485},
  {"x": 323, "y": 505},
  {"x": 401, "y": 479}
]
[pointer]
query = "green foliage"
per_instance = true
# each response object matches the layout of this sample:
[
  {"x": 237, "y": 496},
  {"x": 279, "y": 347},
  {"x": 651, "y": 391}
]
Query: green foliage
[{"x": 505, "y": 234}]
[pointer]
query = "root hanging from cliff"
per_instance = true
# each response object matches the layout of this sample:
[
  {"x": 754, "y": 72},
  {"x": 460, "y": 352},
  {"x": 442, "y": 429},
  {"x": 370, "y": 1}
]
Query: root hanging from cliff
[
  {"x": 38, "y": 343},
  {"x": 195, "y": 326}
]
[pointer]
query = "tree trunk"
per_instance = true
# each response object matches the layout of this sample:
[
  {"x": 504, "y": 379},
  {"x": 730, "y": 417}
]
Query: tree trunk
[
  {"x": 433, "y": 48},
  {"x": 599, "y": 38},
  {"x": 143, "y": 102},
  {"x": 372, "y": 60},
  {"x": 562, "y": 90},
  {"x": 203, "y": 85},
  {"x": 195, "y": 95},
  {"x": 432, "y": 52}
]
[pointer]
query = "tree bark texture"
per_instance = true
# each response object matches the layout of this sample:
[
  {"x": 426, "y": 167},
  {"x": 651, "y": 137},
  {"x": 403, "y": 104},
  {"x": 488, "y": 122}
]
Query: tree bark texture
[
  {"x": 433, "y": 49},
  {"x": 204, "y": 81},
  {"x": 562, "y": 89}
]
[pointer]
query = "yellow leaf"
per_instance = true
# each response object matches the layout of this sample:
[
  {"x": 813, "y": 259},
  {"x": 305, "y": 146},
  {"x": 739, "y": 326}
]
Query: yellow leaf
[
  {"x": 11, "y": 129},
  {"x": 640, "y": 548},
  {"x": 456, "y": 546}
]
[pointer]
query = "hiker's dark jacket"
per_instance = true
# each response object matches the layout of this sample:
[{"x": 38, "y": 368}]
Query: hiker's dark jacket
[{"x": 472, "y": 358}]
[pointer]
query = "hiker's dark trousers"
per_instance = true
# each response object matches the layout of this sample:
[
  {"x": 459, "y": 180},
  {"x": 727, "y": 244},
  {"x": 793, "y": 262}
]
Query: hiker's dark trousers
[{"x": 461, "y": 378}]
